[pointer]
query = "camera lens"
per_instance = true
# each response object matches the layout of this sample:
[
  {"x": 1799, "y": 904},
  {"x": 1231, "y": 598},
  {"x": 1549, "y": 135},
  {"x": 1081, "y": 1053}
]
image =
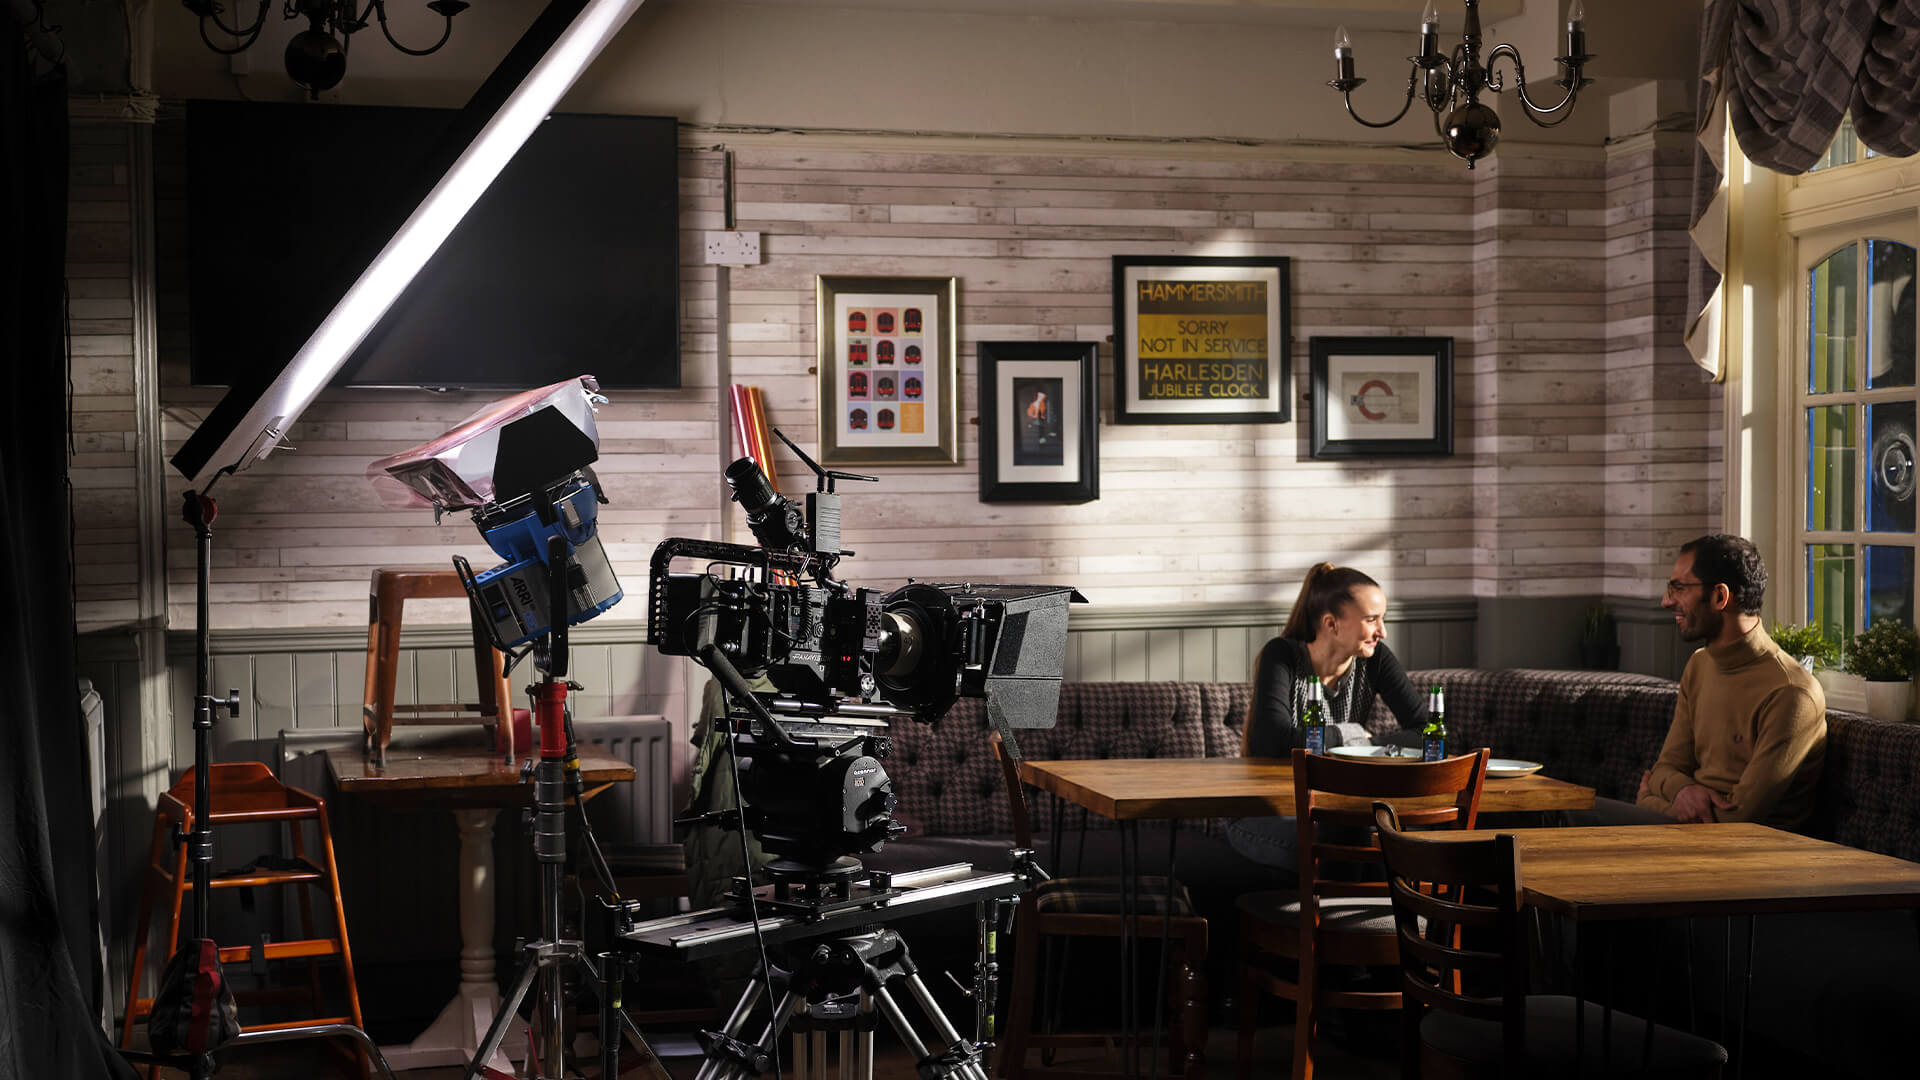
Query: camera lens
[{"x": 750, "y": 485}]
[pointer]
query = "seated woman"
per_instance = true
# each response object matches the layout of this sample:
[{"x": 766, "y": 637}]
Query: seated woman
[{"x": 1336, "y": 633}]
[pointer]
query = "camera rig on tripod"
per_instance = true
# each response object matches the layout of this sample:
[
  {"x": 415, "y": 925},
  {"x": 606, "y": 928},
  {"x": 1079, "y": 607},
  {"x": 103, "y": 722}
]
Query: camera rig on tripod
[{"x": 844, "y": 661}]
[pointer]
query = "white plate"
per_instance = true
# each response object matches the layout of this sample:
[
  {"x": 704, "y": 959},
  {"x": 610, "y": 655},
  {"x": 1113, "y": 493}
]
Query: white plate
[
  {"x": 1375, "y": 753},
  {"x": 1502, "y": 766}
]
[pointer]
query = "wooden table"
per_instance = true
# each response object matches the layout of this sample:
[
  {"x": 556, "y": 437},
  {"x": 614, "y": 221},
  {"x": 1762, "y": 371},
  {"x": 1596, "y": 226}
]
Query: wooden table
[
  {"x": 475, "y": 784},
  {"x": 1725, "y": 868},
  {"x": 1131, "y": 790},
  {"x": 1143, "y": 789},
  {"x": 470, "y": 778}
]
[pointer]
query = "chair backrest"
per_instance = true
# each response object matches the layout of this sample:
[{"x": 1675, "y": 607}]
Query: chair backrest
[
  {"x": 1016, "y": 795},
  {"x": 1442, "y": 887},
  {"x": 1330, "y": 791}
]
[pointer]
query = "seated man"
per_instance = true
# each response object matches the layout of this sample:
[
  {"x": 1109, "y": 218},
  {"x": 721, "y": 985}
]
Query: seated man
[{"x": 1750, "y": 727}]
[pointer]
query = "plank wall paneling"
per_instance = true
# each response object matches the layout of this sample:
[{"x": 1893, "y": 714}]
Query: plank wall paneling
[{"x": 1578, "y": 467}]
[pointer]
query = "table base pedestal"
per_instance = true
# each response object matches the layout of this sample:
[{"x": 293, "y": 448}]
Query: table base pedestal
[{"x": 454, "y": 1036}]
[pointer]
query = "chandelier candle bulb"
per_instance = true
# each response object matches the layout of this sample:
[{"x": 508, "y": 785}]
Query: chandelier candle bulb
[
  {"x": 1342, "y": 57},
  {"x": 1576, "y": 29},
  {"x": 1430, "y": 32}
]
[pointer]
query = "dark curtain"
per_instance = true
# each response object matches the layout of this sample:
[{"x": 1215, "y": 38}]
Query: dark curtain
[
  {"x": 50, "y": 984},
  {"x": 1789, "y": 72}
]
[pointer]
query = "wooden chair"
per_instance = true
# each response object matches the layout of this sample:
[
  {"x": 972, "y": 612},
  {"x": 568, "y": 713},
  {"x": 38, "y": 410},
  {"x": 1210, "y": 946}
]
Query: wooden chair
[
  {"x": 1090, "y": 907},
  {"x": 390, "y": 589},
  {"x": 1439, "y": 888},
  {"x": 1332, "y": 919},
  {"x": 246, "y": 792}
]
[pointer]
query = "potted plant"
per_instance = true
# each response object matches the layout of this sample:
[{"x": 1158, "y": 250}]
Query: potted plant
[
  {"x": 1886, "y": 654},
  {"x": 1807, "y": 644},
  {"x": 1599, "y": 646},
  {"x": 1819, "y": 653}
]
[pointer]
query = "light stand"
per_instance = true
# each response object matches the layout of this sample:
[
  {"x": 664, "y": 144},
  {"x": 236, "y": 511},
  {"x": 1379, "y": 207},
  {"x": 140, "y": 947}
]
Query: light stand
[
  {"x": 199, "y": 510},
  {"x": 556, "y": 778}
]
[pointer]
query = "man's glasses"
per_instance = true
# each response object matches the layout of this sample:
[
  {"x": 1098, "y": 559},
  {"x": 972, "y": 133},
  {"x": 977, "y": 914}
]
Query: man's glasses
[{"x": 1674, "y": 588}]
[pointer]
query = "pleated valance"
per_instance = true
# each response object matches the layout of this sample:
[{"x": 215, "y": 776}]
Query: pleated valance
[{"x": 1785, "y": 73}]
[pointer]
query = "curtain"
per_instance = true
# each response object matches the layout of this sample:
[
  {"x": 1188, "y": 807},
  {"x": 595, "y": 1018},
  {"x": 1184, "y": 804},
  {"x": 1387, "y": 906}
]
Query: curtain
[
  {"x": 1784, "y": 73},
  {"x": 50, "y": 983}
]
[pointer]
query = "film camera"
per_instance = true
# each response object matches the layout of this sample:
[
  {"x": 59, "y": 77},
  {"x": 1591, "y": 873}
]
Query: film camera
[{"x": 842, "y": 662}]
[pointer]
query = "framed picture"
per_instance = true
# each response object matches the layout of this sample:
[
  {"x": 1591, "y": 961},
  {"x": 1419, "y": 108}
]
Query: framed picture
[
  {"x": 1379, "y": 396},
  {"x": 1039, "y": 421},
  {"x": 1201, "y": 340},
  {"x": 889, "y": 393}
]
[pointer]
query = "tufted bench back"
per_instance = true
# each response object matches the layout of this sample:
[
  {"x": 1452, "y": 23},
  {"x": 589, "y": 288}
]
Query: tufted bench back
[
  {"x": 1868, "y": 798},
  {"x": 1598, "y": 728},
  {"x": 1590, "y": 727},
  {"x": 949, "y": 784}
]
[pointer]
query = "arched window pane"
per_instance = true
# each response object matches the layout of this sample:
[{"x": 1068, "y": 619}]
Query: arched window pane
[{"x": 1832, "y": 287}]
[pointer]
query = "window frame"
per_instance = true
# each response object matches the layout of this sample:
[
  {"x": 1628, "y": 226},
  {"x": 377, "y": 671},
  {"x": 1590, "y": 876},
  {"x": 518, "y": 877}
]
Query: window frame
[{"x": 1819, "y": 237}]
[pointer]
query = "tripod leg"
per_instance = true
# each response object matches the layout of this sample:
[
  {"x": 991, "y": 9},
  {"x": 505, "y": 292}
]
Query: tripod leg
[
  {"x": 509, "y": 1012},
  {"x": 710, "y": 1069},
  {"x": 863, "y": 1039},
  {"x": 610, "y": 1014},
  {"x": 891, "y": 1010},
  {"x": 942, "y": 1026}
]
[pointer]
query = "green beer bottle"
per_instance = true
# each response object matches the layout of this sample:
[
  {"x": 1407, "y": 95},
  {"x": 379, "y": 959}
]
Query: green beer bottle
[
  {"x": 1433, "y": 738},
  {"x": 1314, "y": 724}
]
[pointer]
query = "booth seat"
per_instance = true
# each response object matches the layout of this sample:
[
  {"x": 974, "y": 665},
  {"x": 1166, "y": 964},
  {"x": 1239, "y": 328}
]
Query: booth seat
[
  {"x": 1601, "y": 729},
  {"x": 1827, "y": 989}
]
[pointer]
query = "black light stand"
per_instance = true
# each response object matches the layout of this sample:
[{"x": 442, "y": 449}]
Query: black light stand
[
  {"x": 556, "y": 778},
  {"x": 199, "y": 510}
]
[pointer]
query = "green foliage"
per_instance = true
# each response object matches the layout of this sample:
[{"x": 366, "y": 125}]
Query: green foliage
[
  {"x": 1806, "y": 639},
  {"x": 1887, "y": 651}
]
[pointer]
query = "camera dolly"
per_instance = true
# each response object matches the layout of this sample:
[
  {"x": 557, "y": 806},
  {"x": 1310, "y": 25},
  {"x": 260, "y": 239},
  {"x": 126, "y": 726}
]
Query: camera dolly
[{"x": 835, "y": 969}]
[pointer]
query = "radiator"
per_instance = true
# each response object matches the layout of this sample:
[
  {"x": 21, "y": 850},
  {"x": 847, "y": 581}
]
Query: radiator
[
  {"x": 640, "y": 812},
  {"x": 93, "y": 717}
]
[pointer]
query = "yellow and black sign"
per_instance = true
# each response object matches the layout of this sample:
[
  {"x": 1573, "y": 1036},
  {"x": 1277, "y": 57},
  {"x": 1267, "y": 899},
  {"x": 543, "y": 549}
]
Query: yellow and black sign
[{"x": 1201, "y": 340}]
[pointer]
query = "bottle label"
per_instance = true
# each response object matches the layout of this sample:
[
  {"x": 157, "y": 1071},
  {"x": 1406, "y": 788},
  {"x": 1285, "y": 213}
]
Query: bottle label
[
  {"x": 1433, "y": 748},
  {"x": 1316, "y": 739}
]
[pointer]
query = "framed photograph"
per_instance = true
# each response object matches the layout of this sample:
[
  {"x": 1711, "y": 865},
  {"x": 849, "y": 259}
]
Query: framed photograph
[
  {"x": 1374, "y": 397},
  {"x": 1201, "y": 340},
  {"x": 1039, "y": 421},
  {"x": 889, "y": 393}
]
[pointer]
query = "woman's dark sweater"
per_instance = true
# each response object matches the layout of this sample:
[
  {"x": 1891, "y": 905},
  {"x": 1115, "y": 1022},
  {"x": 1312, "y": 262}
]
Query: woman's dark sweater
[{"x": 1279, "y": 687}]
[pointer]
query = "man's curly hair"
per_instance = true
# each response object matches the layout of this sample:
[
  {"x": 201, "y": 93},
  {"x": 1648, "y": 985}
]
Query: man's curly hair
[{"x": 1733, "y": 561}]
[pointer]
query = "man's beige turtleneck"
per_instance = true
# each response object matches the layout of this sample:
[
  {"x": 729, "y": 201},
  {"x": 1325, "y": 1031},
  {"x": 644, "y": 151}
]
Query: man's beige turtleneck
[{"x": 1751, "y": 724}]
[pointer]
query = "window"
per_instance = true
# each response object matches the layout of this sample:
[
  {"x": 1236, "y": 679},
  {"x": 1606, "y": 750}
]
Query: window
[
  {"x": 1845, "y": 149},
  {"x": 1855, "y": 408}
]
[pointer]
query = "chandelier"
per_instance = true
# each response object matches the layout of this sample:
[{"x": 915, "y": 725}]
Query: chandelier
[
  {"x": 317, "y": 56},
  {"x": 1450, "y": 85}
]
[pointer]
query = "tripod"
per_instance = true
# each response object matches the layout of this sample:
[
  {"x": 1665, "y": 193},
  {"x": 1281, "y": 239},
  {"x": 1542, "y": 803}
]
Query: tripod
[
  {"x": 837, "y": 986},
  {"x": 556, "y": 777}
]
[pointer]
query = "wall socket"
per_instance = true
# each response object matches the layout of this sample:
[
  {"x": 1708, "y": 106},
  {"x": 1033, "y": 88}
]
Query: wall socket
[{"x": 733, "y": 248}]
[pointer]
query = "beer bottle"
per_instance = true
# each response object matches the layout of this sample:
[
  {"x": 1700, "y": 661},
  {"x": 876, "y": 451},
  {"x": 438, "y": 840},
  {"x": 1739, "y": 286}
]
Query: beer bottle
[
  {"x": 1314, "y": 724},
  {"x": 1433, "y": 738}
]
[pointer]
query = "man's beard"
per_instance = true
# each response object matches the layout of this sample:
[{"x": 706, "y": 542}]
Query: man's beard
[{"x": 1704, "y": 626}]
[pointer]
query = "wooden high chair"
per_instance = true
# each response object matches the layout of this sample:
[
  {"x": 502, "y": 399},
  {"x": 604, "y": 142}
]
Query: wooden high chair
[{"x": 245, "y": 792}]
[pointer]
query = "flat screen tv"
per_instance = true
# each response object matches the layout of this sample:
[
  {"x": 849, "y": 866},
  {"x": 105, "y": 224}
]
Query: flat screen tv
[{"x": 568, "y": 265}]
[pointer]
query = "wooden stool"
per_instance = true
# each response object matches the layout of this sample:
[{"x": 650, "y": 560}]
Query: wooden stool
[
  {"x": 244, "y": 792},
  {"x": 392, "y": 588}
]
